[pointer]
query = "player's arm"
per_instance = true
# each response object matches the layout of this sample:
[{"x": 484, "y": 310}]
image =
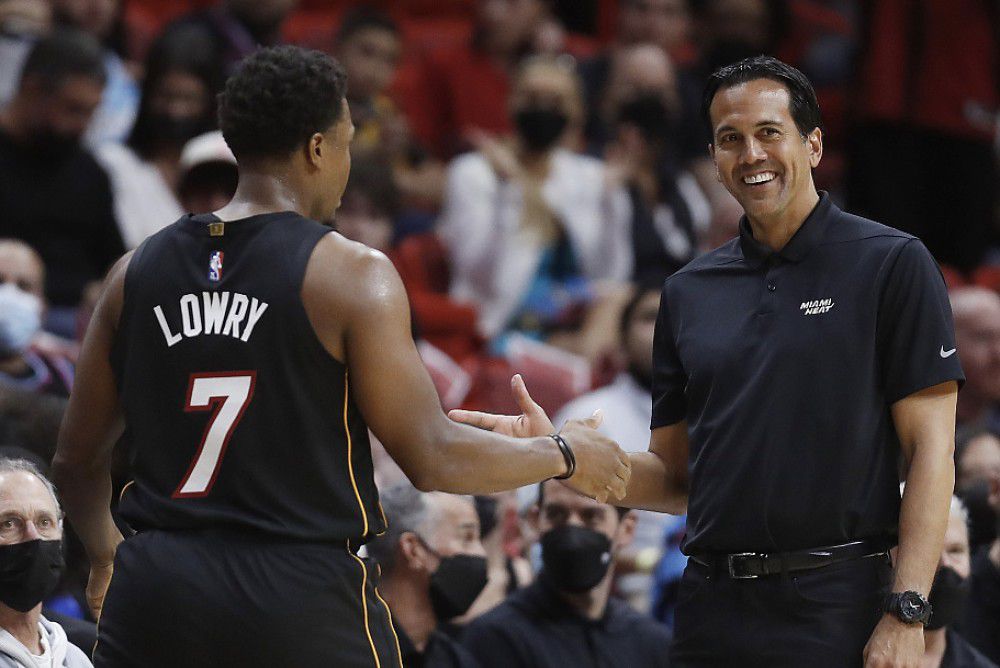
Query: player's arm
[
  {"x": 925, "y": 424},
  {"x": 82, "y": 463},
  {"x": 400, "y": 404}
]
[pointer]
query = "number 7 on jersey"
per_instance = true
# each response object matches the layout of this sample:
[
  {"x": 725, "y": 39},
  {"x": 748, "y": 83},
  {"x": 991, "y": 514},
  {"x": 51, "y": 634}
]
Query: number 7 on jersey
[{"x": 228, "y": 393}]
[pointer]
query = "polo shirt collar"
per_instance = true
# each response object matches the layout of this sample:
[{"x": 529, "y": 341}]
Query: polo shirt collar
[{"x": 808, "y": 236}]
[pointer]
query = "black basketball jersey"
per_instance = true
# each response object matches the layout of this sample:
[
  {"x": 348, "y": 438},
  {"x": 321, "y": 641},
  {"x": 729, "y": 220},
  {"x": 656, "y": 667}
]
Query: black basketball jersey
[{"x": 235, "y": 413}]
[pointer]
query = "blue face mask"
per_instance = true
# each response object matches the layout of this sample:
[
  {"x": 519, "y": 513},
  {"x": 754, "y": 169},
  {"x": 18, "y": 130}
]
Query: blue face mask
[{"x": 20, "y": 319}]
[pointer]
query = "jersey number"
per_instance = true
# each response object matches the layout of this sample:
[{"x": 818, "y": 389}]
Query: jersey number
[{"x": 227, "y": 394}]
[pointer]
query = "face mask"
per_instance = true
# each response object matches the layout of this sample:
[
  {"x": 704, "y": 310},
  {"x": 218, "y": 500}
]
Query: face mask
[
  {"x": 982, "y": 519},
  {"x": 173, "y": 131},
  {"x": 456, "y": 583},
  {"x": 575, "y": 558},
  {"x": 20, "y": 319},
  {"x": 648, "y": 113},
  {"x": 947, "y": 598},
  {"x": 29, "y": 572},
  {"x": 540, "y": 127}
]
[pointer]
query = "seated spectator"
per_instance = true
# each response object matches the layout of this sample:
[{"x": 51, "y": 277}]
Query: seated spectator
[
  {"x": 977, "y": 462},
  {"x": 21, "y": 23},
  {"x": 233, "y": 29},
  {"x": 31, "y": 562},
  {"x": 532, "y": 227},
  {"x": 627, "y": 405},
  {"x": 982, "y": 617},
  {"x": 104, "y": 20},
  {"x": 567, "y": 617},
  {"x": 433, "y": 567},
  {"x": 208, "y": 175},
  {"x": 53, "y": 194},
  {"x": 464, "y": 88},
  {"x": 977, "y": 338},
  {"x": 943, "y": 646},
  {"x": 176, "y": 106},
  {"x": 24, "y": 365}
]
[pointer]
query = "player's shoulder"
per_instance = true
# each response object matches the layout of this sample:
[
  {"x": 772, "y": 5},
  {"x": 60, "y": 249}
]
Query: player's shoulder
[{"x": 351, "y": 271}]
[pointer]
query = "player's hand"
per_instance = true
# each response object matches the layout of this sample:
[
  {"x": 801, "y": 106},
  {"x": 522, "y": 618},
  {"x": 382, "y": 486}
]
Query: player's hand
[
  {"x": 602, "y": 468},
  {"x": 531, "y": 422},
  {"x": 895, "y": 644},
  {"x": 97, "y": 586}
]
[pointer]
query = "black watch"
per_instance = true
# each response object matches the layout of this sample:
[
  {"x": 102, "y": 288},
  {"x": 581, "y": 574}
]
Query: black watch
[{"x": 909, "y": 606}]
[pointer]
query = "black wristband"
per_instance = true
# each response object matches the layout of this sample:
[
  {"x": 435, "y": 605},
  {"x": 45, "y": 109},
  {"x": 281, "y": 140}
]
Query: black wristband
[{"x": 568, "y": 455}]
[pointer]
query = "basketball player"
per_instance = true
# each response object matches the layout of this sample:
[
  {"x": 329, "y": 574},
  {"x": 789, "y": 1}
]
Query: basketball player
[{"x": 248, "y": 352}]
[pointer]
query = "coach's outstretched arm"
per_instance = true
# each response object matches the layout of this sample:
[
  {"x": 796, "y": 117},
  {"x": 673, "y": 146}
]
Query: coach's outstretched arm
[
  {"x": 366, "y": 321},
  {"x": 659, "y": 476}
]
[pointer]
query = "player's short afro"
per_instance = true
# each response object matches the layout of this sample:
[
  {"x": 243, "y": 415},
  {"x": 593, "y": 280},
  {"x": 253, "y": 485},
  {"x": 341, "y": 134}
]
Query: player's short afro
[{"x": 278, "y": 98}]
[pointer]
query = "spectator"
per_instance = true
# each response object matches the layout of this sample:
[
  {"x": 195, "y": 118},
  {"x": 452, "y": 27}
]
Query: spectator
[
  {"x": 977, "y": 459},
  {"x": 532, "y": 227},
  {"x": 31, "y": 562},
  {"x": 433, "y": 568},
  {"x": 53, "y": 194},
  {"x": 627, "y": 404},
  {"x": 982, "y": 619},
  {"x": 922, "y": 147},
  {"x": 977, "y": 338},
  {"x": 22, "y": 305},
  {"x": 566, "y": 617},
  {"x": 669, "y": 212},
  {"x": 233, "y": 29},
  {"x": 176, "y": 106},
  {"x": 21, "y": 23},
  {"x": 103, "y": 19},
  {"x": 464, "y": 88},
  {"x": 208, "y": 175},
  {"x": 943, "y": 646}
]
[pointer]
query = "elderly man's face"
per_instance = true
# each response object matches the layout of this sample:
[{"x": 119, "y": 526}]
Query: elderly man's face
[
  {"x": 955, "y": 553},
  {"x": 27, "y": 509},
  {"x": 455, "y": 528}
]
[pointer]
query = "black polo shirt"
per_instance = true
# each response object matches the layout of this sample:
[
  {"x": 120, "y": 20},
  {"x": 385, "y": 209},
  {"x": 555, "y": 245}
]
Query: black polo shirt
[{"x": 785, "y": 366}]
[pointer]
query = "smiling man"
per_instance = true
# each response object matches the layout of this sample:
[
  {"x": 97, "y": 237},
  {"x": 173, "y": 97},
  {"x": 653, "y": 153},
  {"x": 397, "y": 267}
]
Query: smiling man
[{"x": 792, "y": 367}]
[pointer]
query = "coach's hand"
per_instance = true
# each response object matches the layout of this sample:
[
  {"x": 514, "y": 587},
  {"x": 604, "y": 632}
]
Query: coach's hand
[
  {"x": 602, "y": 468},
  {"x": 531, "y": 422},
  {"x": 895, "y": 644},
  {"x": 97, "y": 586}
]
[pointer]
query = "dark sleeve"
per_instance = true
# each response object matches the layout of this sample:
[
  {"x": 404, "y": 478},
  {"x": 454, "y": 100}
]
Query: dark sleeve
[
  {"x": 492, "y": 647},
  {"x": 915, "y": 335},
  {"x": 669, "y": 377}
]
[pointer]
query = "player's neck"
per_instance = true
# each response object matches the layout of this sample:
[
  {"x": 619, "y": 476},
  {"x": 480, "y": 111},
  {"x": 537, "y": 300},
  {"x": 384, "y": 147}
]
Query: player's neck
[
  {"x": 261, "y": 192},
  {"x": 23, "y": 626}
]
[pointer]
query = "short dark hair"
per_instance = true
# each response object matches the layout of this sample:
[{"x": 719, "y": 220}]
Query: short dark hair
[
  {"x": 803, "y": 104},
  {"x": 362, "y": 18},
  {"x": 278, "y": 98},
  {"x": 641, "y": 289},
  {"x": 65, "y": 53},
  {"x": 621, "y": 510}
]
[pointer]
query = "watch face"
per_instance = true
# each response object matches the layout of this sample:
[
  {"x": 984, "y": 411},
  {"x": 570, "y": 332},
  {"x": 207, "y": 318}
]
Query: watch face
[{"x": 911, "y": 607}]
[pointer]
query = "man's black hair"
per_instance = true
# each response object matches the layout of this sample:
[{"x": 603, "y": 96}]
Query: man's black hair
[
  {"x": 622, "y": 511},
  {"x": 278, "y": 98},
  {"x": 65, "y": 53},
  {"x": 803, "y": 105},
  {"x": 362, "y": 18},
  {"x": 369, "y": 180}
]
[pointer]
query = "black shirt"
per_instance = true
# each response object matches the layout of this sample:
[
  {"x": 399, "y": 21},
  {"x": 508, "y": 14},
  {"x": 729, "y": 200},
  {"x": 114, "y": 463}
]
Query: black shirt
[
  {"x": 441, "y": 651},
  {"x": 535, "y": 628},
  {"x": 785, "y": 366},
  {"x": 982, "y": 611},
  {"x": 235, "y": 413},
  {"x": 62, "y": 206},
  {"x": 960, "y": 654}
]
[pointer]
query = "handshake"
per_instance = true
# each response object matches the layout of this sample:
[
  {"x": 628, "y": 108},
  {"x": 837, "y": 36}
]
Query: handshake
[{"x": 602, "y": 467}]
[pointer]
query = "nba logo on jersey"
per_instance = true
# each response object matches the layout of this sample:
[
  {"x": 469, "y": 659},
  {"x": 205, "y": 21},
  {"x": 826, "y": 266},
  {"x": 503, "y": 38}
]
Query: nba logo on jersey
[{"x": 215, "y": 266}]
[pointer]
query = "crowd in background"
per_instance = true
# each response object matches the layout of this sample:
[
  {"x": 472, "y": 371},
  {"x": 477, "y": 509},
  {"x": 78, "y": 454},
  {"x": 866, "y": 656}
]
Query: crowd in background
[{"x": 534, "y": 169}]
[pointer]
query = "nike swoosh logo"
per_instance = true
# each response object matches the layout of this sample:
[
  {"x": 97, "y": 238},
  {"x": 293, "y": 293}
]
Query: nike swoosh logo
[{"x": 947, "y": 353}]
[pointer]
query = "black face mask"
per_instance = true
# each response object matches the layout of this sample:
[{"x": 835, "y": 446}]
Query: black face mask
[
  {"x": 540, "y": 127},
  {"x": 947, "y": 598},
  {"x": 648, "y": 112},
  {"x": 166, "y": 130},
  {"x": 575, "y": 558},
  {"x": 983, "y": 522},
  {"x": 29, "y": 572},
  {"x": 456, "y": 583}
]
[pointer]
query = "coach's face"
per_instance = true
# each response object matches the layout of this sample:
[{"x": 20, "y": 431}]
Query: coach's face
[{"x": 759, "y": 154}]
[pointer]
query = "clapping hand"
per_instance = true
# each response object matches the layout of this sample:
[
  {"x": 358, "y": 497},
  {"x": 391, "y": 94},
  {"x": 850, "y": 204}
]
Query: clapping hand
[{"x": 531, "y": 422}]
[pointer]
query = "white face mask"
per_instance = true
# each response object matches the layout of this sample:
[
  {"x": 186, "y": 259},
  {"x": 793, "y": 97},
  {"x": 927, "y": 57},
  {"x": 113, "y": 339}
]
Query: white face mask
[{"x": 20, "y": 319}]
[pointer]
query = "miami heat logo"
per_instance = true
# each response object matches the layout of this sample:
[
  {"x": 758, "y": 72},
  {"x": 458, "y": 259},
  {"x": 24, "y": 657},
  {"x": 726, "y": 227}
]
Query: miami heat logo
[{"x": 215, "y": 266}]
